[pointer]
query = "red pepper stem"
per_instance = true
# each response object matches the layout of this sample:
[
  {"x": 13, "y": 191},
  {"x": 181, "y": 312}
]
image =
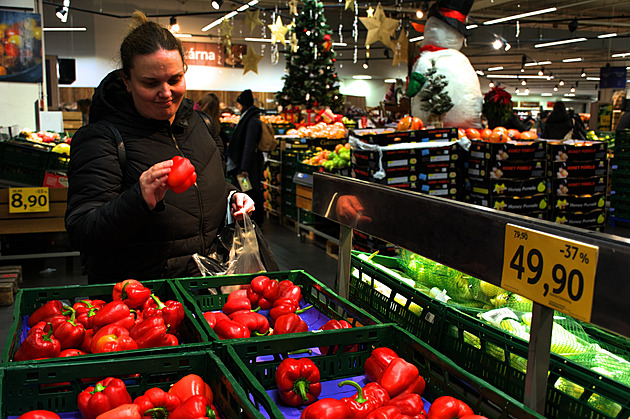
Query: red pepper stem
[
  {"x": 300, "y": 351},
  {"x": 300, "y": 387},
  {"x": 98, "y": 388},
  {"x": 210, "y": 413},
  {"x": 160, "y": 304},
  {"x": 360, "y": 398},
  {"x": 256, "y": 309},
  {"x": 87, "y": 303},
  {"x": 48, "y": 336},
  {"x": 123, "y": 291},
  {"x": 67, "y": 310},
  {"x": 302, "y": 310},
  {"x": 257, "y": 333},
  {"x": 156, "y": 413}
]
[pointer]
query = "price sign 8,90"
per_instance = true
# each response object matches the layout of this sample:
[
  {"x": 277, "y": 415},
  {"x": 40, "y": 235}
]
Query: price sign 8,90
[
  {"x": 28, "y": 200},
  {"x": 550, "y": 270}
]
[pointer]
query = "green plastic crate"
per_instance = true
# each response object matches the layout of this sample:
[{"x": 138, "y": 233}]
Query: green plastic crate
[
  {"x": 23, "y": 164},
  {"x": 388, "y": 299},
  {"x": 253, "y": 363},
  {"x": 27, "y": 300},
  {"x": 58, "y": 162},
  {"x": 323, "y": 299},
  {"x": 56, "y": 387}
]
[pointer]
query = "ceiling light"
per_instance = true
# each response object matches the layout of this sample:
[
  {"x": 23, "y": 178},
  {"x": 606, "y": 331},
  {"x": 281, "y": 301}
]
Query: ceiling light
[
  {"x": 555, "y": 88},
  {"x": 390, "y": 80},
  {"x": 362, "y": 77},
  {"x": 546, "y": 94},
  {"x": 524, "y": 82},
  {"x": 507, "y": 46},
  {"x": 62, "y": 14},
  {"x": 564, "y": 41},
  {"x": 522, "y": 70},
  {"x": 592, "y": 78},
  {"x": 366, "y": 65},
  {"x": 572, "y": 89},
  {"x": 537, "y": 63},
  {"x": 419, "y": 14},
  {"x": 182, "y": 35},
  {"x": 571, "y": 60},
  {"x": 520, "y": 16},
  {"x": 174, "y": 26},
  {"x": 541, "y": 72},
  {"x": 622, "y": 55},
  {"x": 495, "y": 68},
  {"x": 472, "y": 26},
  {"x": 64, "y": 29},
  {"x": 497, "y": 44},
  {"x": 514, "y": 76},
  {"x": 416, "y": 39},
  {"x": 216, "y": 4},
  {"x": 479, "y": 72},
  {"x": 561, "y": 83},
  {"x": 517, "y": 91},
  {"x": 583, "y": 74},
  {"x": 527, "y": 91},
  {"x": 491, "y": 84},
  {"x": 607, "y": 35}
]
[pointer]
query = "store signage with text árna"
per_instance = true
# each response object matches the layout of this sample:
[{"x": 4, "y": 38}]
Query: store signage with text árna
[
  {"x": 23, "y": 200},
  {"x": 550, "y": 270},
  {"x": 213, "y": 55}
]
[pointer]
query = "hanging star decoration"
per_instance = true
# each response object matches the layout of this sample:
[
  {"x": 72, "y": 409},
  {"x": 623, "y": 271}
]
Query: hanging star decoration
[
  {"x": 250, "y": 61},
  {"x": 349, "y": 5},
  {"x": 293, "y": 7},
  {"x": 252, "y": 19},
  {"x": 401, "y": 48},
  {"x": 226, "y": 36},
  {"x": 380, "y": 27},
  {"x": 278, "y": 31},
  {"x": 370, "y": 12},
  {"x": 294, "y": 43}
]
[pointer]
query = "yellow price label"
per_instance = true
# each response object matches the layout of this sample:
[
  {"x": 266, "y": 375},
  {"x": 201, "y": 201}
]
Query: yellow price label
[
  {"x": 23, "y": 200},
  {"x": 556, "y": 272}
]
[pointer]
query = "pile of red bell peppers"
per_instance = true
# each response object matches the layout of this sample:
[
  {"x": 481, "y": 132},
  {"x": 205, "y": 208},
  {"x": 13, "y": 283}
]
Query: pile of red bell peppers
[
  {"x": 190, "y": 397},
  {"x": 240, "y": 316},
  {"x": 134, "y": 319}
]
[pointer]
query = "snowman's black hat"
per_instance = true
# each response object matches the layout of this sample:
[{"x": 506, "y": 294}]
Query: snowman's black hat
[{"x": 453, "y": 12}]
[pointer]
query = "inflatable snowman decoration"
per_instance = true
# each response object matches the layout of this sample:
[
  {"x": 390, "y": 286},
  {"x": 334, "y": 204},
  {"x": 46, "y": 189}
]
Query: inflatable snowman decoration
[{"x": 442, "y": 68}]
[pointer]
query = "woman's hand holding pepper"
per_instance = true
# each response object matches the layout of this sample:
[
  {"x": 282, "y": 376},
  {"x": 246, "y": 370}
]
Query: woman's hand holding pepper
[
  {"x": 153, "y": 182},
  {"x": 240, "y": 204}
]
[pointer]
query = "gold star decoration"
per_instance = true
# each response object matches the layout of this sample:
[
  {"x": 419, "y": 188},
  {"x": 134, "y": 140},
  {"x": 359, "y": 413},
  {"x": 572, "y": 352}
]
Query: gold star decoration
[
  {"x": 380, "y": 27},
  {"x": 293, "y": 7},
  {"x": 349, "y": 5},
  {"x": 226, "y": 36},
  {"x": 294, "y": 43},
  {"x": 370, "y": 12},
  {"x": 252, "y": 19},
  {"x": 251, "y": 60},
  {"x": 278, "y": 31},
  {"x": 400, "y": 49}
]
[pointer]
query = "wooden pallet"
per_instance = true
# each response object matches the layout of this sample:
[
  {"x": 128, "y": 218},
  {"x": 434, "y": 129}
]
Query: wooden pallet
[{"x": 10, "y": 278}]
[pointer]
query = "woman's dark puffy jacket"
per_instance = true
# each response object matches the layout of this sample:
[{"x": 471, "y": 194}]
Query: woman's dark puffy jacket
[{"x": 108, "y": 220}]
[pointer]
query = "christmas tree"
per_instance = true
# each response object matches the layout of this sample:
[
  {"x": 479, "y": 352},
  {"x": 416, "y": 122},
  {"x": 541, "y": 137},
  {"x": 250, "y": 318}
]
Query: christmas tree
[{"x": 310, "y": 78}]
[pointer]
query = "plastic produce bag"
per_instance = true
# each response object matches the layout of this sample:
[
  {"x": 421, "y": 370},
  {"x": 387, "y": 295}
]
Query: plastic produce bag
[{"x": 245, "y": 254}]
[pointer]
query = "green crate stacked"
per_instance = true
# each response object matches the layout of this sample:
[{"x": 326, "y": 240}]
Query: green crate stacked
[
  {"x": 578, "y": 174},
  {"x": 289, "y": 167},
  {"x": 620, "y": 181},
  {"x": 23, "y": 164},
  {"x": 254, "y": 362},
  {"x": 508, "y": 177},
  {"x": 367, "y": 243},
  {"x": 272, "y": 186}
]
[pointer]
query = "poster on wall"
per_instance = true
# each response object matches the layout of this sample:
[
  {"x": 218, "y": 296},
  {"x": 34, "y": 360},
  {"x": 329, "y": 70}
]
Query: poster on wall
[
  {"x": 20, "y": 47},
  {"x": 213, "y": 55}
]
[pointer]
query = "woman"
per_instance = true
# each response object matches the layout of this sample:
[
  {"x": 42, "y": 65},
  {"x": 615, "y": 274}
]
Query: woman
[
  {"x": 122, "y": 216},
  {"x": 558, "y": 124},
  {"x": 210, "y": 104}
]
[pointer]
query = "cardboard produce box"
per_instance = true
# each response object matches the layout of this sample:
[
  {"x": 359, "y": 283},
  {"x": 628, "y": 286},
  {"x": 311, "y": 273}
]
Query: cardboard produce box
[
  {"x": 575, "y": 150},
  {"x": 586, "y": 219},
  {"x": 578, "y": 186},
  {"x": 517, "y": 204},
  {"x": 577, "y": 169},
  {"x": 486, "y": 169},
  {"x": 509, "y": 187},
  {"x": 576, "y": 203},
  {"x": 511, "y": 150}
]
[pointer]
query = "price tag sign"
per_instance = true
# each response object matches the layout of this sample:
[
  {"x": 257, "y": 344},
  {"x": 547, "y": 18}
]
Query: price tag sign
[
  {"x": 23, "y": 200},
  {"x": 550, "y": 270}
]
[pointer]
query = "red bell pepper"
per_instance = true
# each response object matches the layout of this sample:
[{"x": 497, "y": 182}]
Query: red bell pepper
[
  {"x": 284, "y": 306},
  {"x": 473, "y": 417},
  {"x": 236, "y": 304},
  {"x": 71, "y": 352},
  {"x": 191, "y": 385},
  {"x": 86, "y": 318},
  {"x": 86, "y": 345},
  {"x": 131, "y": 292},
  {"x": 196, "y": 407},
  {"x": 84, "y": 306},
  {"x": 182, "y": 175},
  {"x": 69, "y": 332},
  {"x": 104, "y": 396},
  {"x": 400, "y": 376},
  {"x": 116, "y": 312},
  {"x": 40, "y": 326},
  {"x": 38, "y": 344},
  {"x": 229, "y": 329},
  {"x": 241, "y": 293},
  {"x": 212, "y": 317},
  {"x": 410, "y": 404},
  {"x": 150, "y": 333},
  {"x": 172, "y": 311},
  {"x": 46, "y": 312},
  {"x": 112, "y": 338},
  {"x": 157, "y": 403},
  {"x": 327, "y": 409},
  {"x": 447, "y": 407},
  {"x": 39, "y": 414},
  {"x": 377, "y": 362},
  {"x": 333, "y": 324},
  {"x": 289, "y": 290},
  {"x": 367, "y": 399},
  {"x": 298, "y": 381},
  {"x": 387, "y": 412},
  {"x": 262, "y": 292},
  {"x": 124, "y": 411},
  {"x": 289, "y": 323},
  {"x": 255, "y": 322}
]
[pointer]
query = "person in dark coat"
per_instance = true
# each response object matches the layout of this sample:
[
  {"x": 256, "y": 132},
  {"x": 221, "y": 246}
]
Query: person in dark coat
[
  {"x": 558, "y": 124},
  {"x": 243, "y": 155},
  {"x": 121, "y": 214}
]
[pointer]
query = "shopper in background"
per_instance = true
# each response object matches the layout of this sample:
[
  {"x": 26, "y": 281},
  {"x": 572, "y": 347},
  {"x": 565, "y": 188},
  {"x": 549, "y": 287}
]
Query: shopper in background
[
  {"x": 121, "y": 214},
  {"x": 540, "y": 118},
  {"x": 624, "y": 121},
  {"x": 244, "y": 158},
  {"x": 579, "y": 129},
  {"x": 210, "y": 104},
  {"x": 558, "y": 124}
]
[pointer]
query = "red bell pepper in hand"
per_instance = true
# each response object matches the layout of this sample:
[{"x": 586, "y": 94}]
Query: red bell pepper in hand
[
  {"x": 69, "y": 332},
  {"x": 367, "y": 399},
  {"x": 400, "y": 376},
  {"x": 46, "y": 312},
  {"x": 112, "y": 338},
  {"x": 212, "y": 317},
  {"x": 115, "y": 312},
  {"x": 410, "y": 404},
  {"x": 236, "y": 304},
  {"x": 333, "y": 324},
  {"x": 289, "y": 323},
  {"x": 131, "y": 292},
  {"x": 124, "y": 411},
  {"x": 157, "y": 403},
  {"x": 71, "y": 352},
  {"x": 104, "y": 396},
  {"x": 39, "y": 414},
  {"x": 196, "y": 407},
  {"x": 327, "y": 409},
  {"x": 255, "y": 322},
  {"x": 298, "y": 381},
  {"x": 262, "y": 292},
  {"x": 191, "y": 385},
  {"x": 387, "y": 412},
  {"x": 182, "y": 175},
  {"x": 377, "y": 362},
  {"x": 289, "y": 290},
  {"x": 229, "y": 329},
  {"x": 150, "y": 333},
  {"x": 447, "y": 407},
  {"x": 172, "y": 311},
  {"x": 38, "y": 344}
]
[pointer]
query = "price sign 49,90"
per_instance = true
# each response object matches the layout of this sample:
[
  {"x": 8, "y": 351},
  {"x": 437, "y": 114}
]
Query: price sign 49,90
[{"x": 550, "y": 270}]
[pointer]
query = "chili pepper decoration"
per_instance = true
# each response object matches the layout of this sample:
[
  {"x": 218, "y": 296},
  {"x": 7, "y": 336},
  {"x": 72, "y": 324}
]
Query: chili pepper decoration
[
  {"x": 255, "y": 322},
  {"x": 333, "y": 324},
  {"x": 172, "y": 311},
  {"x": 369, "y": 398},
  {"x": 448, "y": 407},
  {"x": 387, "y": 412},
  {"x": 191, "y": 385},
  {"x": 377, "y": 362},
  {"x": 39, "y": 414},
  {"x": 157, "y": 403},
  {"x": 69, "y": 332},
  {"x": 182, "y": 175},
  {"x": 196, "y": 407},
  {"x": 400, "y": 376},
  {"x": 150, "y": 333},
  {"x": 212, "y": 317},
  {"x": 262, "y": 292},
  {"x": 327, "y": 409},
  {"x": 112, "y": 338},
  {"x": 289, "y": 323},
  {"x": 38, "y": 344},
  {"x": 131, "y": 292},
  {"x": 229, "y": 329},
  {"x": 409, "y": 404},
  {"x": 105, "y": 395},
  {"x": 298, "y": 381},
  {"x": 124, "y": 411},
  {"x": 46, "y": 312}
]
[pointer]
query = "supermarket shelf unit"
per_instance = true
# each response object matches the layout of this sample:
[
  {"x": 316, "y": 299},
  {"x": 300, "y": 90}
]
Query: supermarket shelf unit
[{"x": 471, "y": 239}]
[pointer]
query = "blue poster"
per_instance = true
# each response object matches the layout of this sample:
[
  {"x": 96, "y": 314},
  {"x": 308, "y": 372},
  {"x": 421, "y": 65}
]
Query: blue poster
[
  {"x": 612, "y": 78},
  {"x": 20, "y": 47}
]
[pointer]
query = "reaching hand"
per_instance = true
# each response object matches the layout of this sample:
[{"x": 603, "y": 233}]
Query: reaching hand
[
  {"x": 350, "y": 211},
  {"x": 241, "y": 203},
  {"x": 153, "y": 182}
]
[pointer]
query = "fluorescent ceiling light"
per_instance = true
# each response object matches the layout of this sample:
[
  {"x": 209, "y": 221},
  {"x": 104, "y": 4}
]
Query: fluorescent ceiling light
[
  {"x": 362, "y": 77},
  {"x": 243, "y": 8},
  {"x": 64, "y": 29},
  {"x": 336, "y": 44},
  {"x": 519, "y": 16},
  {"x": 571, "y": 60},
  {"x": 546, "y": 94},
  {"x": 182, "y": 35},
  {"x": 569, "y": 94},
  {"x": 607, "y": 35},
  {"x": 564, "y": 41},
  {"x": 479, "y": 72},
  {"x": 625, "y": 54},
  {"x": 593, "y": 78},
  {"x": 514, "y": 76},
  {"x": 416, "y": 39},
  {"x": 522, "y": 94},
  {"x": 537, "y": 63},
  {"x": 472, "y": 26},
  {"x": 390, "y": 80},
  {"x": 229, "y": 15},
  {"x": 495, "y": 68}
]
